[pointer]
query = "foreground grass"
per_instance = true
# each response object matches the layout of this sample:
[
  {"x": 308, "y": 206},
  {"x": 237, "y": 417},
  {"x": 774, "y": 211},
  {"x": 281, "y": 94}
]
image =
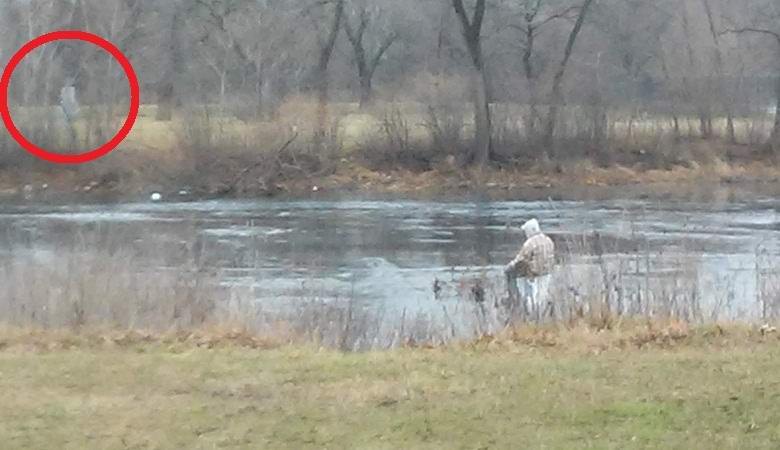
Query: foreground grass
[{"x": 160, "y": 394}]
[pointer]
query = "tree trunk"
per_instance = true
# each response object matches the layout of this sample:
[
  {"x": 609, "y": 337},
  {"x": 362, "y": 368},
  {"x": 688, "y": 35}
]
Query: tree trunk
[
  {"x": 165, "y": 101},
  {"x": 366, "y": 64},
  {"x": 730, "y": 131},
  {"x": 668, "y": 79},
  {"x": 321, "y": 73},
  {"x": 482, "y": 118},
  {"x": 533, "y": 99},
  {"x": 705, "y": 122},
  {"x": 471, "y": 30},
  {"x": 532, "y": 122},
  {"x": 693, "y": 89},
  {"x": 259, "y": 91},
  {"x": 366, "y": 91},
  {"x": 364, "y": 73},
  {"x": 775, "y": 137},
  {"x": 556, "y": 92},
  {"x": 322, "y": 109},
  {"x": 600, "y": 119},
  {"x": 718, "y": 56},
  {"x": 166, "y": 89}
]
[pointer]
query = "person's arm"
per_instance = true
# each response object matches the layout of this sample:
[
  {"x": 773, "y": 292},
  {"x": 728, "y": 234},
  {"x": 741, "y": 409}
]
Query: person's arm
[
  {"x": 520, "y": 259},
  {"x": 512, "y": 266}
]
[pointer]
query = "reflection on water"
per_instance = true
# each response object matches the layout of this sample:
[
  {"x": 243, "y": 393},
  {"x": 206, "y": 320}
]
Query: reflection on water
[{"x": 388, "y": 254}]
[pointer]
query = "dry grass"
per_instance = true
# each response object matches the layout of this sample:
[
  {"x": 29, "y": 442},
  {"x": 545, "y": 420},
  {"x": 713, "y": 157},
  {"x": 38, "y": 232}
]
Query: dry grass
[
  {"x": 590, "y": 336},
  {"x": 573, "y": 338},
  {"x": 14, "y": 339}
]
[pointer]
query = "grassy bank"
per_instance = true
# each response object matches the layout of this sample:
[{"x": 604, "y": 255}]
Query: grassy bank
[
  {"x": 393, "y": 149},
  {"x": 712, "y": 388}
]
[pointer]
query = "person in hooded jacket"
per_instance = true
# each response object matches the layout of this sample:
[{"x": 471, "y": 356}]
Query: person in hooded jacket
[{"x": 533, "y": 265}]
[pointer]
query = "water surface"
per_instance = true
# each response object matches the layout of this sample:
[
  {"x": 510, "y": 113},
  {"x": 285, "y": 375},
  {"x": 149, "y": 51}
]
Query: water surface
[{"x": 387, "y": 254}]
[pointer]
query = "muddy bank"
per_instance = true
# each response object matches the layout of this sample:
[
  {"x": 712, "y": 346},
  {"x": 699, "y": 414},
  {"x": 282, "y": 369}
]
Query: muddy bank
[{"x": 705, "y": 184}]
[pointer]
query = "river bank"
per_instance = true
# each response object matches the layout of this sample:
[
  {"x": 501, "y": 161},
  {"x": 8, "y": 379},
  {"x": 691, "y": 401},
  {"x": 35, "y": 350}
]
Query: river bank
[{"x": 721, "y": 182}]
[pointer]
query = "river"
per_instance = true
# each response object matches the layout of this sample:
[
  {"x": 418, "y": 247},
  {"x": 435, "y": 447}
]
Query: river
[{"x": 704, "y": 260}]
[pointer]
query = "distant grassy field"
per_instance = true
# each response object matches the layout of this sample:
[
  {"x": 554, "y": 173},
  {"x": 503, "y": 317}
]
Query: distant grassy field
[
  {"x": 157, "y": 395},
  {"x": 356, "y": 127}
]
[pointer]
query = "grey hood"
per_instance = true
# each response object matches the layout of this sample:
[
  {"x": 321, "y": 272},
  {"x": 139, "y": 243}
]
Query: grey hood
[{"x": 531, "y": 228}]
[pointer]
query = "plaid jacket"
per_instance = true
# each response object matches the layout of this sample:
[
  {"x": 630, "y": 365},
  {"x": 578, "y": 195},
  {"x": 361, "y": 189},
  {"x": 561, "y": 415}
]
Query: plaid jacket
[{"x": 536, "y": 257}]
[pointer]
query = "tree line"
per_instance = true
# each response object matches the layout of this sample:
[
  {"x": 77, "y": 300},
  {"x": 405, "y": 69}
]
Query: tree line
[{"x": 683, "y": 61}]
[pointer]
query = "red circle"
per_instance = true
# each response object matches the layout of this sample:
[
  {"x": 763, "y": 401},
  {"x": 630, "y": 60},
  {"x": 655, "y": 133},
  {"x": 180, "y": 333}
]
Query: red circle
[{"x": 81, "y": 157}]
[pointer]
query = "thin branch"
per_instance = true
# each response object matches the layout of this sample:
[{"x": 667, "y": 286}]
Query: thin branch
[
  {"x": 744, "y": 30},
  {"x": 382, "y": 50},
  {"x": 561, "y": 15}
]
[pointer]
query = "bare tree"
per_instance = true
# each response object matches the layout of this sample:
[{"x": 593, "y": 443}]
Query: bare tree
[
  {"x": 532, "y": 21},
  {"x": 122, "y": 24},
  {"x": 43, "y": 79},
  {"x": 696, "y": 95},
  {"x": 556, "y": 92},
  {"x": 268, "y": 33},
  {"x": 765, "y": 24},
  {"x": 172, "y": 60},
  {"x": 670, "y": 84},
  {"x": 366, "y": 60},
  {"x": 471, "y": 28},
  {"x": 227, "y": 52},
  {"x": 326, "y": 47},
  {"x": 717, "y": 53}
]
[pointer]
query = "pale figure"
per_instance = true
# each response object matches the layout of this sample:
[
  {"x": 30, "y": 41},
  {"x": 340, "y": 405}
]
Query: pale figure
[
  {"x": 532, "y": 267},
  {"x": 70, "y": 109},
  {"x": 69, "y": 104}
]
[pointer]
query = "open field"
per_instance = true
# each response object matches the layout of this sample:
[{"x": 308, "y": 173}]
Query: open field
[
  {"x": 578, "y": 389},
  {"x": 356, "y": 128}
]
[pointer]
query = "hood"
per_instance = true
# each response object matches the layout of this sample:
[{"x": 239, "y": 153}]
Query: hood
[{"x": 531, "y": 228}]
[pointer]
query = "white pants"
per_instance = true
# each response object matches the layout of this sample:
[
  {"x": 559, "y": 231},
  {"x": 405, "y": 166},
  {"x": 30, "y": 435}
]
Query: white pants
[
  {"x": 533, "y": 294},
  {"x": 537, "y": 295}
]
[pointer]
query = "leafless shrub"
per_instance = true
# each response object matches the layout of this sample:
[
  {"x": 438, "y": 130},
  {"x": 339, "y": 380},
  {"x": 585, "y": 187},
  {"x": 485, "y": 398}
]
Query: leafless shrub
[
  {"x": 445, "y": 127},
  {"x": 227, "y": 157},
  {"x": 400, "y": 142},
  {"x": 39, "y": 126},
  {"x": 395, "y": 145},
  {"x": 511, "y": 142}
]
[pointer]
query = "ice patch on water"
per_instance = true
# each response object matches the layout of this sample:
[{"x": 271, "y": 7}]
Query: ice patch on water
[
  {"x": 103, "y": 216},
  {"x": 245, "y": 232},
  {"x": 435, "y": 241}
]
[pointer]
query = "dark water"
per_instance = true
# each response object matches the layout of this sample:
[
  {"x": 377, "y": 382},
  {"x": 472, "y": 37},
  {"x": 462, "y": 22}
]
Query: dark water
[{"x": 389, "y": 253}]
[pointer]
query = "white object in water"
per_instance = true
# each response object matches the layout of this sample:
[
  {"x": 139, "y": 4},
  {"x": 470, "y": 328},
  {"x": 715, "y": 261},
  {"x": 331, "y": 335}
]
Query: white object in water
[
  {"x": 315, "y": 189},
  {"x": 156, "y": 197}
]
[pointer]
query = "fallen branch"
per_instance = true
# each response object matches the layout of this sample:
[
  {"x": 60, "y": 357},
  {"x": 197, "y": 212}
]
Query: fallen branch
[{"x": 232, "y": 186}]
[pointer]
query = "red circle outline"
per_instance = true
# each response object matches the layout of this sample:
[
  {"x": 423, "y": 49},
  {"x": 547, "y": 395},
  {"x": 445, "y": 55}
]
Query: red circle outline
[{"x": 59, "y": 158}]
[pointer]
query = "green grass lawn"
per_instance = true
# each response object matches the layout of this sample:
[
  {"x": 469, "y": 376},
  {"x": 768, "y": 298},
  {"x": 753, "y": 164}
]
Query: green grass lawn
[{"x": 153, "y": 396}]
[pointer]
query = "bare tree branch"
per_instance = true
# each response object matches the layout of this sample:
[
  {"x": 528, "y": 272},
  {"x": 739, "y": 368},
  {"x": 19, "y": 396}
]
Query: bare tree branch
[{"x": 744, "y": 30}]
